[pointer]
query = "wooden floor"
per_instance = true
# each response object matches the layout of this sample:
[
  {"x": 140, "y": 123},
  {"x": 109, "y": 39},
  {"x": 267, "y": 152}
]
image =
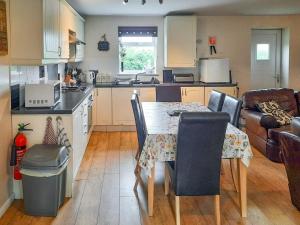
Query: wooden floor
[{"x": 103, "y": 193}]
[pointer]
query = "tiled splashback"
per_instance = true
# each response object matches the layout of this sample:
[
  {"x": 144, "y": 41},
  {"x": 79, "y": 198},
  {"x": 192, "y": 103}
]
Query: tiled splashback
[{"x": 24, "y": 74}]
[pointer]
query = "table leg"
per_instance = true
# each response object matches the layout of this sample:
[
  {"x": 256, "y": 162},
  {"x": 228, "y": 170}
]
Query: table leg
[
  {"x": 242, "y": 174},
  {"x": 151, "y": 180}
]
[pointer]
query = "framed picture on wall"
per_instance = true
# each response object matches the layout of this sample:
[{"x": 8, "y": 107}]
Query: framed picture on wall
[{"x": 3, "y": 29}]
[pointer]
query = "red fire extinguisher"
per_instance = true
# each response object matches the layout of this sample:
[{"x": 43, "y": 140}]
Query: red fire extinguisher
[{"x": 19, "y": 149}]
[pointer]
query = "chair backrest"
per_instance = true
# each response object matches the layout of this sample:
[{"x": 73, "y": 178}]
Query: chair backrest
[
  {"x": 216, "y": 101},
  {"x": 139, "y": 120},
  {"x": 199, "y": 150},
  {"x": 233, "y": 107},
  {"x": 168, "y": 94}
]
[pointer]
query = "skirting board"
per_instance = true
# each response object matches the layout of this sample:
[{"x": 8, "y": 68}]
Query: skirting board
[
  {"x": 114, "y": 128},
  {"x": 6, "y": 205}
]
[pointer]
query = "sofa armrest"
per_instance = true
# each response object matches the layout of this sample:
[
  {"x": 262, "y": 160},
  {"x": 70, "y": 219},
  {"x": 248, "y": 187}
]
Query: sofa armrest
[{"x": 260, "y": 119}]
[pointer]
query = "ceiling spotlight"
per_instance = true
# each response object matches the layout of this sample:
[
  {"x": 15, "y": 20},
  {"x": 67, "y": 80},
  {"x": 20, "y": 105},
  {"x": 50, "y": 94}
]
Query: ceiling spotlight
[
  {"x": 125, "y": 2},
  {"x": 143, "y": 2},
  {"x": 161, "y": 1}
]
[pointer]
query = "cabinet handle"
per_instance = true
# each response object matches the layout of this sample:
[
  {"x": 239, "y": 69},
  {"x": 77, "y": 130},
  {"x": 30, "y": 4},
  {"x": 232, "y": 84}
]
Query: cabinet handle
[
  {"x": 185, "y": 91},
  {"x": 59, "y": 51}
]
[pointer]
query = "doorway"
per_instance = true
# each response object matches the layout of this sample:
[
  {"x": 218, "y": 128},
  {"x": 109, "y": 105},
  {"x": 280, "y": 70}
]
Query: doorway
[{"x": 266, "y": 59}]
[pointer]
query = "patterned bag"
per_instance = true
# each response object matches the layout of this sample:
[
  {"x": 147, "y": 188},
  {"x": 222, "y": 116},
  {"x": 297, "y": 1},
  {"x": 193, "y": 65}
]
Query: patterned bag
[{"x": 273, "y": 109}]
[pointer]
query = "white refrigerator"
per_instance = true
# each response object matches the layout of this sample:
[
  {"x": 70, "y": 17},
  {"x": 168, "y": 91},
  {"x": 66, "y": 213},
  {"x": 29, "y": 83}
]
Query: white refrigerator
[{"x": 214, "y": 70}]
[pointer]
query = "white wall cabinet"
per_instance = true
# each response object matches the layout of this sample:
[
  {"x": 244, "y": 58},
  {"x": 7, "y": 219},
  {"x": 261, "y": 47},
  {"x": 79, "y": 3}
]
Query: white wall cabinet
[
  {"x": 231, "y": 91},
  {"x": 192, "y": 94},
  {"x": 180, "y": 41},
  {"x": 40, "y": 31},
  {"x": 51, "y": 29}
]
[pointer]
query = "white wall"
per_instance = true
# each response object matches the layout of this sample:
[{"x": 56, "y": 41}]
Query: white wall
[
  {"x": 234, "y": 41},
  {"x": 108, "y": 62}
]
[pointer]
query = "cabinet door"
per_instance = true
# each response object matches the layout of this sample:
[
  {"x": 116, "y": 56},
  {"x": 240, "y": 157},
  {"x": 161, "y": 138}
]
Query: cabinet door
[
  {"x": 231, "y": 91},
  {"x": 51, "y": 29},
  {"x": 121, "y": 106},
  {"x": 180, "y": 41},
  {"x": 77, "y": 139},
  {"x": 104, "y": 106},
  {"x": 65, "y": 20},
  {"x": 192, "y": 94},
  {"x": 147, "y": 94}
]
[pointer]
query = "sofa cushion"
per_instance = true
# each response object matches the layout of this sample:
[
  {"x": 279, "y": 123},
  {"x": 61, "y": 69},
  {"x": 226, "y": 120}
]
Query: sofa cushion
[
  {"x": 283, "y": 96},
  {"x": 273, "y": 109},
  {"x": 275, "y": 132}
]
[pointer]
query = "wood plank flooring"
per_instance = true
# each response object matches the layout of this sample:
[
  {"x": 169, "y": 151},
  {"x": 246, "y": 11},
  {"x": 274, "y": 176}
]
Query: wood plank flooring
[{"x": 103, "y": 193}]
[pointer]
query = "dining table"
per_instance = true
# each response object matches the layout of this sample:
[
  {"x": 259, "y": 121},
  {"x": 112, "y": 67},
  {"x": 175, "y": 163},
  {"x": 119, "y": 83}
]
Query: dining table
[{"x": 160, "y": 145}]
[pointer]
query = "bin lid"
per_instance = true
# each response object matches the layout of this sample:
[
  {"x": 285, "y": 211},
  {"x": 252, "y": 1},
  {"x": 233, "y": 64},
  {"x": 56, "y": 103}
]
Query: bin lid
[{"x": 45, "y": 157}]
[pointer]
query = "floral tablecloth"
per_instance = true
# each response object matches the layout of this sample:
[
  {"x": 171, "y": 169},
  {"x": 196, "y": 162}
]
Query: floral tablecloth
[{"x": 160, "y": 144}]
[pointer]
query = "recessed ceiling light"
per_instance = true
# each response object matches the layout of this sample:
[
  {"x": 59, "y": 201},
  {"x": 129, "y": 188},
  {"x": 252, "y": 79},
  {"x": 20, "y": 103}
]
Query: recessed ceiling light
[
  {"x": 125, "y": 2},
  {"x": 143, "y": 2}
]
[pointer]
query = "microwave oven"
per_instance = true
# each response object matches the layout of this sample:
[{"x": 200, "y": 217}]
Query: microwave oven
[{"x": 42, "y": 93}]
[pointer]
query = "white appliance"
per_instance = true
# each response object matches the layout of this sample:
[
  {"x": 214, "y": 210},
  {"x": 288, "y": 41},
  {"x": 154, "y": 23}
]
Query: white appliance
[
  {"x": 42, "y": 93},
  {"x": 214, "y": 70}
]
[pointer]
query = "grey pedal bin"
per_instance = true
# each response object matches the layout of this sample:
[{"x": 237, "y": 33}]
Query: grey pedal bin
[{"x": 44, "y": 171}]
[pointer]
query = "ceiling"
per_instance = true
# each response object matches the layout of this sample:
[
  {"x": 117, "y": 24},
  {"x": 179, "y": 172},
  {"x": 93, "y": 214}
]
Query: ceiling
[{"x": 201, "y": 7}]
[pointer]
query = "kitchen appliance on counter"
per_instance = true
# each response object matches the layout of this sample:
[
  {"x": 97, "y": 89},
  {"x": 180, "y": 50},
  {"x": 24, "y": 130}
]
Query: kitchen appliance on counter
[
  {"x": 168, "y": 76},
  {"x": 42, "y": 93},
  {"x": 214, "y": 71},
  {"x": 183, "y": 78}
]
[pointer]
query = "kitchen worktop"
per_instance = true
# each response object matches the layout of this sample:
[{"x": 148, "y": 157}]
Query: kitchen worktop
[
  {"x": 70, "y": 100},
  {"x": 195, "y": 84}
]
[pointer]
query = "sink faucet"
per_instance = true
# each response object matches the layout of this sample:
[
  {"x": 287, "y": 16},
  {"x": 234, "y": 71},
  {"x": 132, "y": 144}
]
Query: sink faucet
[{"x": 138, "y": 74}]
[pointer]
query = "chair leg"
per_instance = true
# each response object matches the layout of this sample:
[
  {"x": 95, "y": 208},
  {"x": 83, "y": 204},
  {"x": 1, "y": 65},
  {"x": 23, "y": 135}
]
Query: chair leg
[
  {"x": 233, "y": 175},
  {"x": 167, "y": 180},
  {"x": 217, "y": 210},
  {"x": 177, "y": 209}
]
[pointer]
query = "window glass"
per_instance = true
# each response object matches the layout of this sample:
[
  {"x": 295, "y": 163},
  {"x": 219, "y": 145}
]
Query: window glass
[
  {"x": 262, "y": 52},
  {"x": 137, "y": 54}
]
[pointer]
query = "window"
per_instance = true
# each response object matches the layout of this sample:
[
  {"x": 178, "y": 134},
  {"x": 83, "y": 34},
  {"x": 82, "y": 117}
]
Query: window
[
  {"x": 137, "y": 49},
  {"x": 262, "y": 52}
]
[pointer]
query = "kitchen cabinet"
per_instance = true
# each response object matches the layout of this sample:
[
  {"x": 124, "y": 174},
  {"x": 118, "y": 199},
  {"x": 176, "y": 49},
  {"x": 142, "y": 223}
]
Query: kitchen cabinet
[
  {"x": 103, "y": 98},
  {"x": 51, "y": 29},
  {"x": 180, "y": 41},
  {"x": 40, "y": 31},
  {"x": 231, "y": 91},
  {"x": 192, "y": 94}
]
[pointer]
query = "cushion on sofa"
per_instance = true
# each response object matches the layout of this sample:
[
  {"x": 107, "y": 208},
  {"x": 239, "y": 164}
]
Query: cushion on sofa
[
  {"x": 272, "y": 108},
  {"x": 275, "y": 132},
  {"x": 283, "y": 96}
]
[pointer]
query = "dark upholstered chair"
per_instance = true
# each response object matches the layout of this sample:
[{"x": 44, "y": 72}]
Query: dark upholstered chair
[
  {"x": 290, "y": 154},
  {"x": 196, "y": 171},
  {"x": 216, "y": 101},
  {"x": 168, "y": 94},
  {"x": 233, "y": 107},
  {"x": 141, "y": 132}
]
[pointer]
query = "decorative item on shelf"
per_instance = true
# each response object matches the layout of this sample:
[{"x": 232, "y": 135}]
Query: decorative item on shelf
[
  {"x": 103, "y": 44},
  {"x": 212, "y": 41},
  {"x": 3, "y": 29}
]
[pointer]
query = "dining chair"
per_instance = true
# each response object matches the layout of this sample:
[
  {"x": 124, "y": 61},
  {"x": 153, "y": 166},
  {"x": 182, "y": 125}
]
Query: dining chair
[
  {"x": 216, "y": 101},
  {"x": 141, "y": 133},
  {"x": 233, "y": 107},
  {"x": 196, "y": 171}
]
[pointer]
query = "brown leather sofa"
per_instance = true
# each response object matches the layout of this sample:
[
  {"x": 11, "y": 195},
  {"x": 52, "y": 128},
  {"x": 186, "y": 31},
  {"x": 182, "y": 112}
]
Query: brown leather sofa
[
  {"x": 290, "y": 153},
  {"x": 263, "y": 130}
]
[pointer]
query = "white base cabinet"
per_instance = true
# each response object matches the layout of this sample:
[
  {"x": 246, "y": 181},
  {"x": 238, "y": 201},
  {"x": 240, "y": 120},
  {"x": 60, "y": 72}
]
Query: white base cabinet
[
  {"x": 192, "y": 94},
  {"x": 114, "y": 106},
  {"x": 75, "y": 127}
]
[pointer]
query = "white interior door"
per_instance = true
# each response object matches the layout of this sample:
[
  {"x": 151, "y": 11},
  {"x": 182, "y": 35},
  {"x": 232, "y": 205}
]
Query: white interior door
[{"x": 265, "y": 59}]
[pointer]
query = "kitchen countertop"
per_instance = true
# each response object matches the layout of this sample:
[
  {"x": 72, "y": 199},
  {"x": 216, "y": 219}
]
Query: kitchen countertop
[
  {"x": 195, "y": 84},
  {"x": 70, "y": 100}
]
